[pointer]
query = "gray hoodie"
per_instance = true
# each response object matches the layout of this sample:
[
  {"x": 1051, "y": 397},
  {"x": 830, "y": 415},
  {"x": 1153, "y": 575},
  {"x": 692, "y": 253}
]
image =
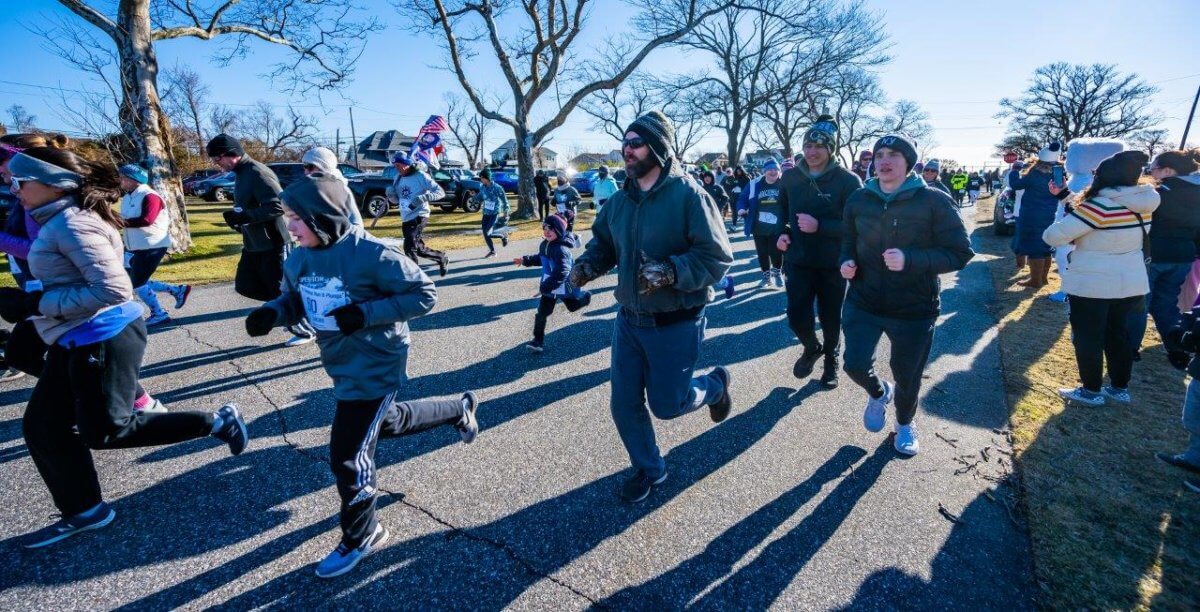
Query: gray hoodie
[
  {"x": 352, "y": 266},
  {"x": 413, "y": 191}
]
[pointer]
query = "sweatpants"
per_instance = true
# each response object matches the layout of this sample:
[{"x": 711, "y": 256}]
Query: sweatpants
[
  {"x": 357, "y": 427},
  {"x": 1100, "y": 331},
  {"x": 414, "y": 241},
  {"x": 1191, "y": 421},
  {"x": 827, "y": 287},
  {"x": 83, "y": 401},
  {"x": 973, "y": 196},
  {"x": 545, "y": 309},
  {"x": 655, "y": 365},
  {"x": 769, "y": 255},
  {"x": 142, "y": 265},
  {"x": 911, "y": 340},
  {"x": 25, "y": 350}
]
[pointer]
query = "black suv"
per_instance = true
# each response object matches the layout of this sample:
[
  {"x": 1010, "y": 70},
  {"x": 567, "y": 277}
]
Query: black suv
[
  {"x": 288, "y": 172},
  {"x": 370, "y": 191}
]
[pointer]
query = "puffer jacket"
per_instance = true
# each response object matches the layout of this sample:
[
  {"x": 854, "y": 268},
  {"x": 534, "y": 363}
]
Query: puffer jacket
[
  {"x": 675, "y": 220},
  {"x": 824, "y": 197},
  {"x": 1176, "y": 228},
  {"x": 1107, "y": 261},
  {"x": 78, "y": 258},
  {"x": 920, "y": 221}
]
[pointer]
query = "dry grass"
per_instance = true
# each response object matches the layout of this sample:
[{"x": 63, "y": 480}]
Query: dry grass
[
  {"x": 1111, "y": 527},
  {"x": 216, "y": 248}
]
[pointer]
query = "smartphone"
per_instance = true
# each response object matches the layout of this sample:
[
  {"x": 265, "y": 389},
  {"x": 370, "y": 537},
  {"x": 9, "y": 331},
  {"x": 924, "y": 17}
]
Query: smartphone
[{"x": 1058, "y": 176}]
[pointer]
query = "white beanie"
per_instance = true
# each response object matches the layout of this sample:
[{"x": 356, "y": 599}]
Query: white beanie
[
  {"x": 1051, "y": 152},
  {"x": 324, "y": 160}
]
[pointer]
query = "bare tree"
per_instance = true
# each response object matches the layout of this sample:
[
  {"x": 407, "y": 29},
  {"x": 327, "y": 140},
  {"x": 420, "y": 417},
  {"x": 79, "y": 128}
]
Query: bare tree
[
  {"x": 222, "y": 119},
  {"x": 1068, "y": 101},
  {"x": 185, "y": 100},
  {"x": 851, "y": 96},
  {"x": 614, "y": 109},
  {"x": 1152, "y": 141},
  {"x": 535, "y": 51},
  {"x": 468, "y": 128},
  {"x": 323, "y": 36},
  {"x": 279, "y": 133},
  {"x": 22, "y": 120},
  {"x": 1024, "y": 145}
]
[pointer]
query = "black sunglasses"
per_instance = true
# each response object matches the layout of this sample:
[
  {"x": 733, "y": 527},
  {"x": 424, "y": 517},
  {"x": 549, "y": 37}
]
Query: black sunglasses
[{"x": 636, "y": 142}]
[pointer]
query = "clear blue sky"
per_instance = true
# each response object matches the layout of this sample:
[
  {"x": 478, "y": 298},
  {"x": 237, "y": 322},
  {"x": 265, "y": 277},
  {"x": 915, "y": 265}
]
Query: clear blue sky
[{"x": 955, "y": 58}]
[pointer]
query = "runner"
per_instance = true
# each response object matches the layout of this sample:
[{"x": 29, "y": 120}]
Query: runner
[
  {"x": 958, "y": 185},
  {"x": 258, "y": 216},
  {"x": 669, "y": 247},
  {"x": 566, "y": 200},
  {"x": 494, "y": 205},
  {"x": 84, "y": 311},
  {"x": 359, "y": 294},
  {"x": 813, "y": 199},
  {"x": 412, "y": 190},
  {"x": 147, "y": 238},
  {"x": 930, "y": 174},
  {"x": 974, "y": 186},
  {"x": 765, "y": 221},
  {"x": 321, "y": 161},
  {"x": 541, "y": 186},
  {"x": 555, "y": 258},
  {"x": 604, "y": 188},
  {"x": 898, "y": 236}
]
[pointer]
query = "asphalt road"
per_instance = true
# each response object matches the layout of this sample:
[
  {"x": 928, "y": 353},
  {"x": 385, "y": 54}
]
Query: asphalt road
[{"x": 790, "y": 503}]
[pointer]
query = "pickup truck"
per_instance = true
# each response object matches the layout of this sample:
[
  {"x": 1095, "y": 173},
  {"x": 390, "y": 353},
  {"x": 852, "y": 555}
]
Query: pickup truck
[{"x": 370, "y": 191}]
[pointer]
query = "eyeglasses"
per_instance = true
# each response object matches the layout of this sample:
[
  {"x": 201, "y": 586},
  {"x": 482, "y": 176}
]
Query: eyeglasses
[{"x": 633, "y": 143}]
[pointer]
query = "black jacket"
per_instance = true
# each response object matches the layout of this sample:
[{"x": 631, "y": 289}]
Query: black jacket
[
  {"x": 920, "y": 221},
  {"x": 823, "y": 197},
  {"x": 256, "y": 191},
  {"x": 1175, "y": 228},
  {"x": 541, "y": 186},
  {"x": 717, "y": 193}
]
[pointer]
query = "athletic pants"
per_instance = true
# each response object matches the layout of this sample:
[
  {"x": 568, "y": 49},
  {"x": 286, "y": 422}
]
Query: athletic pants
[
  {"x": 911, "y": 340},
  {"x": 769, "y": 255},
  {"x": 828, "y": 288},
  {"x": 1100, "y": 329},
  {"x": 414, "y": 241}
]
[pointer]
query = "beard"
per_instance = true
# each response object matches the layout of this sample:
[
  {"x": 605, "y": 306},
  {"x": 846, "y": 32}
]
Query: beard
[{"x": 637, "y": 168}]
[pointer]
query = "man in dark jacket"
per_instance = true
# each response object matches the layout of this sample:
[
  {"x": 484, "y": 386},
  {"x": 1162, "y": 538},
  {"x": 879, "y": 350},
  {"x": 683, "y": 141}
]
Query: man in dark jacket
[
  {"x": 541, "y": 187},
  {"x": 898, "y": 235},
  {"x": 813, "y": 196},
  {"x": 666, "y": 239},
  {"x": 258, "y": 214}
]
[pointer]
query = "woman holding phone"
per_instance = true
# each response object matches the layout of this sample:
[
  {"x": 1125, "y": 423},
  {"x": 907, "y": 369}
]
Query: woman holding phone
[{"x": 1038, "y": 206}]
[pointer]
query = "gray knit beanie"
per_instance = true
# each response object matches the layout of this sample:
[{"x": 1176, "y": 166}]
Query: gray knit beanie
[{"x": 658, "y": 132}]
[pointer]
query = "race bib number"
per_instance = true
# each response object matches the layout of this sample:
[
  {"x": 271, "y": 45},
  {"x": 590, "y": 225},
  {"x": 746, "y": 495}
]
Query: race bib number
[
  {"x": 321, "y": 296},
  {"x": 768, "y": 218}
]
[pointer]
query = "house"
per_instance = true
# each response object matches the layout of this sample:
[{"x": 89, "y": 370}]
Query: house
[
  {"x": 713, "y": 159},
  {"x": 506, "y": 155},
  {"x": 761, "y": 156},
  {"x": 375, "y": 152},
  {"x": 584, "y": 161}
]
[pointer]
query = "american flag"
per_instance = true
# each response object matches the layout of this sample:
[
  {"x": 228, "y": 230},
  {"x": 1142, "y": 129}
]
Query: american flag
[{"x": 428, "y": 145}]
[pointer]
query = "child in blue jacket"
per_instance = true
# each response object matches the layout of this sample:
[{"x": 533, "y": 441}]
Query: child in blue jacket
[{"x": 554, "y": 256}]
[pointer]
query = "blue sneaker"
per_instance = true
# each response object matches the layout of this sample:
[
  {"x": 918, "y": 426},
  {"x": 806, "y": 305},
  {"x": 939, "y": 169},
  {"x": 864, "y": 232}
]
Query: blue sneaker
[
  {"x": 875, "y": 414},
  {"x": 730, "y": 287},
  {"x": 908, "y": 442},
  {"x": 343, "y": 558},
  {"x": 231, "y": 429},
  {"x": 98, "y": 517}
]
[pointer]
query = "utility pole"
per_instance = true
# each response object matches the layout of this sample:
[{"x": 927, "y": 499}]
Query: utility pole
[
  {"x": 353, "y": 138},
  {"x": 337, "y": 143},
  {"x": 1191, "y": 115}
]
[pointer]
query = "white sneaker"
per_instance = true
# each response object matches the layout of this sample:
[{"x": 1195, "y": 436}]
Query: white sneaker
[
  {"x": 299, "y": 341},
  {"x": 767, "y": 281},
  {"x": 875, "y": 414},
  {"x": 777, "y": 274},
  {"x": 908, "y": 441}
]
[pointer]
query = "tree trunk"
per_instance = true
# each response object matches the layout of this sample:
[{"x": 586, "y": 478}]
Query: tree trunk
[
  {"x": 142, "y": 120},
  {"x": 526, "y": 194}
]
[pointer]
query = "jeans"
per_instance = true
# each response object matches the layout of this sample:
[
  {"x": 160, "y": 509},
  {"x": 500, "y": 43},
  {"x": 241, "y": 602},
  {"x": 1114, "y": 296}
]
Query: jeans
[
  {"x": 1191, "y": 421},
  {"x": 655, "y": 365},
  {"x": 828, "y": 288},
  {"x": 83, "y": 401},
  {"x": 1166, "y": 281},
  {"x": 1099, "y": 331},
  {"x": 911, "y": 340}
]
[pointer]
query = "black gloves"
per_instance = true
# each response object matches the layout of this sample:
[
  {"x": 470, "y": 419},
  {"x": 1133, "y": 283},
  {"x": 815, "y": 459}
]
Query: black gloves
[
  {"x": 350, "y": 318},
  {"x": 17, "y": 305},
  {"x": 261, "y": 321},
  {"x": 654, "y": 274},
  {"x": 235, "y": 218},
  {"x": 582, "y": 273}
]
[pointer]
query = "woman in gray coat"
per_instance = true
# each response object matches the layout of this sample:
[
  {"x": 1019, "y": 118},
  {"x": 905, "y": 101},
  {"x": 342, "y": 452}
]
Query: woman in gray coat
[{"x": 82, "y": 307}]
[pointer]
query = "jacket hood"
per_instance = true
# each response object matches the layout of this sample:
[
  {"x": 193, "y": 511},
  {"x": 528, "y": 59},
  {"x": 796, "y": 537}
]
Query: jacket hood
[
  {"x": 912, "y": 181},
  {"x": 1193, "y": 178},
  {"x": 829, "y": 167},
  {"x": 320, "y": 200},
  {"x": 1138, "y": 198}
]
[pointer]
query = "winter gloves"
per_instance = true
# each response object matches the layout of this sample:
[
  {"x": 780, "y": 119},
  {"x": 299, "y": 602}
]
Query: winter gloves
[
  {"x": 654, "y": 274},
  {"x": 350, "y": 318},
  {"x": 582, "y": 273},
  {"x": 17, "y": 305},
  {"x": 235, "y": 217},
  {"x": 261, "y": 321}
]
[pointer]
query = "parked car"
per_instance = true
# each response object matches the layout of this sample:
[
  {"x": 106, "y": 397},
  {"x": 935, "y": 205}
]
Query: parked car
[
  {"x": 217, "y": 188},
  {"x": 1004, "y": 221},
  {"x": 370, "y": 191},
  {"x": 585, "y": 181},
  {"x": 289, "y": 172},
  {"x": 189, "y": 181},
  {"x": 506, "y": 179}
]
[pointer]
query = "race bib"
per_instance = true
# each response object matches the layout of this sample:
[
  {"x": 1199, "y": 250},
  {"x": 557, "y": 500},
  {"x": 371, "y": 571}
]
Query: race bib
[
  {"x": 562, "y": 208},
  {"x": 321, "y": 296},
  {"x": 490, "y": 206},
  {"x": 128, "y": 259},
  {"x": 768, "y": 218}
]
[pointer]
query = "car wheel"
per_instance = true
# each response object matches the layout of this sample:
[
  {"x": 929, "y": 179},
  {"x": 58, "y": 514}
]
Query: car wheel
[
  {"x": 469, "y": 205},
  {"x": 376, "y": 206},
  {"x": 220, "y": 195}
]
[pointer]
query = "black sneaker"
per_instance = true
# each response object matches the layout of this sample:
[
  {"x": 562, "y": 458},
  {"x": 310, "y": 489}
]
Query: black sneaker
[
  {"x": 807, "y": 361},
  {"x": 1193, "y": 484},
  {"x": 638, "y": 486},
  {"x": 504, "y": 241},
  {"x": 232, "y": 429},
  {"x": 719, "y": 410},
  {"x": 96, "y": 518},
  {"x": 535, "y": 346},
  {"x": 1179, "y": 360},
  {"x": 1178, "y": 461},
  {"x": 442, "y": 263},
  {"x": 829, "y": 377}
]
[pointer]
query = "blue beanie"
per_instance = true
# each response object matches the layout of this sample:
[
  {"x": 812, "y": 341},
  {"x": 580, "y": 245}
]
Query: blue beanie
[
  {"x": 770, "y": 164},
  {"x": 135, "y": 172},
  {"x": 401, "y": 157},
  {"x": 933, "y": 164}
]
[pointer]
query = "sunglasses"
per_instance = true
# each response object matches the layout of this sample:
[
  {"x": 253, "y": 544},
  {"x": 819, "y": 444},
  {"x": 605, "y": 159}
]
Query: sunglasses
[
  {"x": 15, "y": 184},
  {"x": 311, "y": 167},
  {"x": 633, "y": 143}
]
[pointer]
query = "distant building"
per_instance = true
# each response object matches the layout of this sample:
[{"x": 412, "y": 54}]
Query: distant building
[
  {"x": 761, "y": 156},
  {"x": 713, "y": 159},
  {"x": 584, "y": 161},
  {"x": 506, "y": 155},
  {"x": 375, "y": 151}
]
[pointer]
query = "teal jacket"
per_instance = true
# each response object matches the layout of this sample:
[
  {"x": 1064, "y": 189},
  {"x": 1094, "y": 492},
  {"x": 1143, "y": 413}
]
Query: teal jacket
[{"x": 675, "y": 220}]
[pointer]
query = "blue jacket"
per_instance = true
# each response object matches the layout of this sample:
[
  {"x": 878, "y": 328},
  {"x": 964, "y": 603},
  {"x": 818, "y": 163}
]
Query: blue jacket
[
  {"x": 556, "y": 261},
  {"x": 749, "y": 199}
]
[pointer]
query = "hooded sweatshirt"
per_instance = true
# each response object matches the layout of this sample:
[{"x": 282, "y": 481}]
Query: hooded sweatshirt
[
  {"x": 351, "y": 266},
  {"x": 413, "y": 190},
  {"x": 824, "y": 197}
]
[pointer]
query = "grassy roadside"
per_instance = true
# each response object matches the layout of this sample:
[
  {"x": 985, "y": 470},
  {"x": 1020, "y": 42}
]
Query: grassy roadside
[
  {"x": 1111, "y": 528},
  {"x": 216, "y": 248}
]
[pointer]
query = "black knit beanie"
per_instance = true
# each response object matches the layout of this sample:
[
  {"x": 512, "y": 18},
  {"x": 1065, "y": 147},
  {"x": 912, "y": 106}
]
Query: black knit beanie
[
  {"x": 823, "y": 132},
  {"x": 224, "y": 144},
  {"x": 658, "y": 132},
  {"x": 1121, "y": 170},
  {"x": 898, "y": 142}
]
